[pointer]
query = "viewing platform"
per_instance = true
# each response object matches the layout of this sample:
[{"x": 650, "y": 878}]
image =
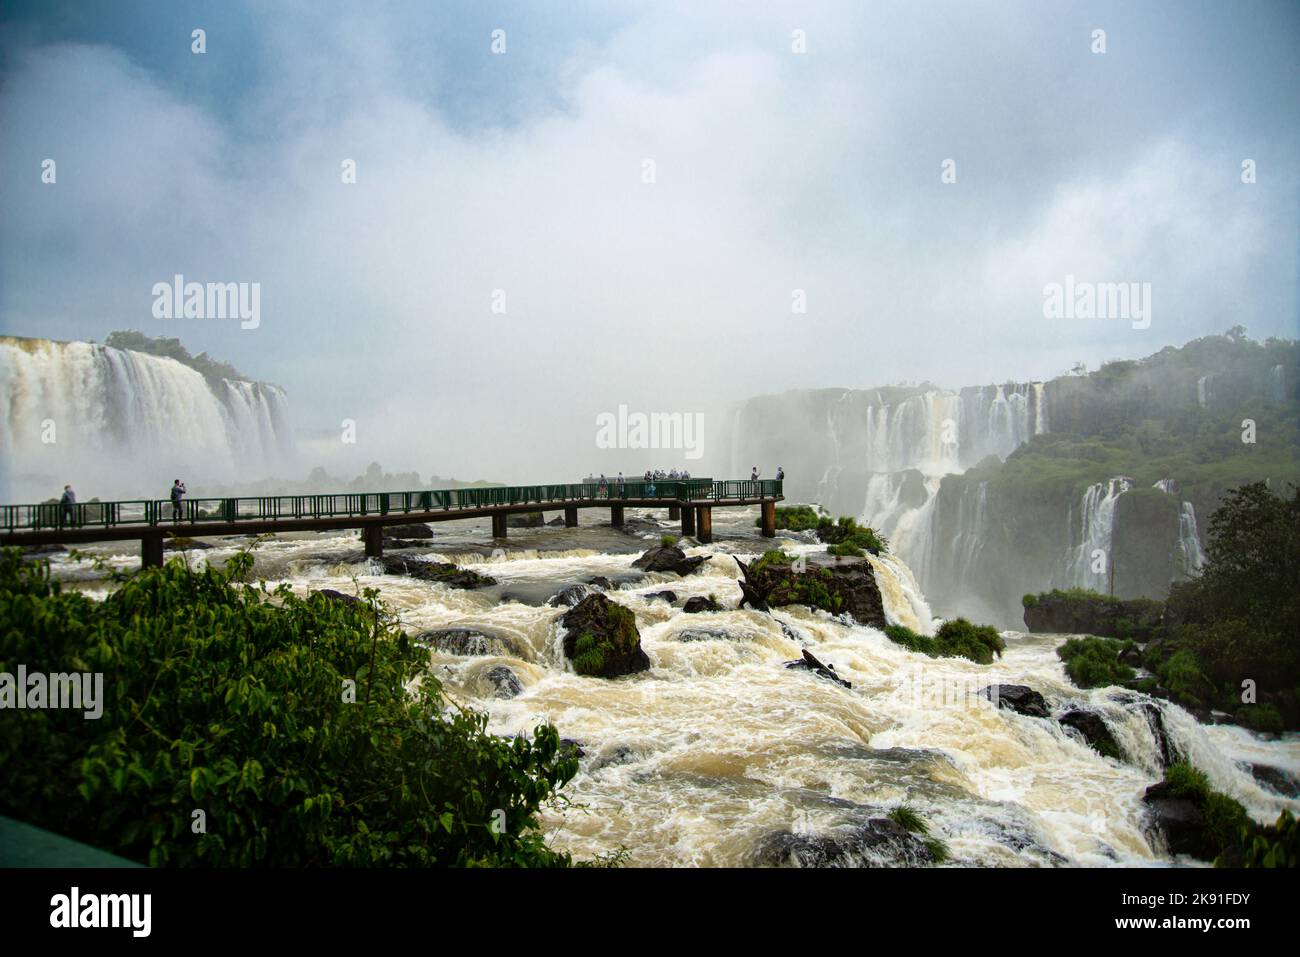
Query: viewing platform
[{"x": 152, "y": 520}]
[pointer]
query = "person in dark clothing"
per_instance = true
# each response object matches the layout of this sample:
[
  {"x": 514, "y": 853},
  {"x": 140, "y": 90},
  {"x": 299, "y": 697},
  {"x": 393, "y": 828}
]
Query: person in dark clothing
[
  {"x": 178, "y": 491},
  {"x": 780, "y": 474},
  {"x": 69, "y": 503}
]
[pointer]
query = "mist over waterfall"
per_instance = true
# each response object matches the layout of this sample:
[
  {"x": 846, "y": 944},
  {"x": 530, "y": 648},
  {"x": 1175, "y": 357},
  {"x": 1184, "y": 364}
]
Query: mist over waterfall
[{"x": 120, "y": 423}]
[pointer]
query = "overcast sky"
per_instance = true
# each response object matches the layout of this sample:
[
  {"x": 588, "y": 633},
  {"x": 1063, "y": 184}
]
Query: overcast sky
[{"x": 524, "y": 172}]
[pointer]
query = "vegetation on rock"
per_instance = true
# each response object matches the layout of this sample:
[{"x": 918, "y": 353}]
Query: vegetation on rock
[{"x": 957, "y": 638}]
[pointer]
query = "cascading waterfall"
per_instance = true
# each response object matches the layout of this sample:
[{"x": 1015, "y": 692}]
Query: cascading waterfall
[
  {"x": 72, "y": 411},
  {"x": 1189, "y": 556},
  {"x": 1094, "y": 532}
]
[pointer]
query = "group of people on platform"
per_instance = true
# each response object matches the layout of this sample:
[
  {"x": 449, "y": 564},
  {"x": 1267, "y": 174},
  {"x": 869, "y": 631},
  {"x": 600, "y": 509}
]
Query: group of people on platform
[
  {"x": 648, "y": 480},
  {"x": 68, "y": 503},
  {"x": 780, "y": 474}
]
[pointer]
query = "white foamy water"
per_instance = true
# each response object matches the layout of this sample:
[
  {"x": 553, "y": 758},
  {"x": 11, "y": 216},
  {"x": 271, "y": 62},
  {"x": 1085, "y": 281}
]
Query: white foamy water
[{"x": 719, "y": 744}]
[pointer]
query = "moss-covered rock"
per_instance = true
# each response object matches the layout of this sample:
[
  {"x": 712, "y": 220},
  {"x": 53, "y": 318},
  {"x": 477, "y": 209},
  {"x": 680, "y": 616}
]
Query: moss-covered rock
[
  {"x": 444, "y": 572},
  {"x": 1081, "y": 612},
  {"x": 842, "y": 587},
  {"x": 601, "y": 639},
  {"x": 957, "y": 638}
]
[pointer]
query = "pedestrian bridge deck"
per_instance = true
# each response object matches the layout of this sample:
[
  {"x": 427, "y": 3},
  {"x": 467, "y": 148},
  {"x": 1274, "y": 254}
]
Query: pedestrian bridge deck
[{"x": 151, "y": 519}]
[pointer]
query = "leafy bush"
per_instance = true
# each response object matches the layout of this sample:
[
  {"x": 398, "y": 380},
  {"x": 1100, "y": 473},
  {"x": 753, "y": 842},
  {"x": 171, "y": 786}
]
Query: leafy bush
[
  {"x": 846, "y": 551},
  {"x": 958, "y": 638},
  {"x": 848, "y": 532},
  {"x": 1276, "y": 846},
  {"x": 307, "y": 731},
  {"x": 797, "y": 518},
  {"x": 668, "y": 541},
  {"x": 1094, "y": 662}
]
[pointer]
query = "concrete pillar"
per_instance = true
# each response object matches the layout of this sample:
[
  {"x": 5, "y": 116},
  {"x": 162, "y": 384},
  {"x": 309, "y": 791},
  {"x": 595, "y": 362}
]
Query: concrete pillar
[
  {"x": 704, "y": 521},
  {"x": 151, "y": 550},
  {"x": 616, "y": 516},
  {"x": 769, "y": 519},
  {"x": 374, "y": 538},
  {"x": 571, "y": 517},
  {"x": 674, "y": 512},
  {"x": 688, "y": 520},
  {"x": 498, "y": 524}
]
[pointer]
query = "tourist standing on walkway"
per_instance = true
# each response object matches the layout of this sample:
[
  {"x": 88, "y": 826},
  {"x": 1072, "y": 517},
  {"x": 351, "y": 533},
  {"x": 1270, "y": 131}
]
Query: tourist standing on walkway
[
  {"x": 780, "y": 474},
  {"x": 69, "y": 503},
  {"x": 754, "y": 475},
  {"x": 178, "y": 491}
]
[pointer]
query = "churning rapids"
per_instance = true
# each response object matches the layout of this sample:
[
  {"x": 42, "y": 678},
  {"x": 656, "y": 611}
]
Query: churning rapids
[{"x": 719, "y": 744}]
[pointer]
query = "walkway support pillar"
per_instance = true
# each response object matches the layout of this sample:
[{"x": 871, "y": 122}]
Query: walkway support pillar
[
  {"x": 688, "y": 520},
  {"x": 374, "y": 538},
  {"x": 571, "y": 516},
  {"x": 674, "y": 512},
  {"x": 616, "y": 516},
  {"x": 498, "y": 524},
  {"x": 151, "y": 550},
  {"x": 769, "y": 519},
  {"x": 704, "y": 521}
]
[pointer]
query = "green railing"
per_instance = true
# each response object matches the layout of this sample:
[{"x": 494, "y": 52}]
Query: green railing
[{"x": 197, "y": 511}]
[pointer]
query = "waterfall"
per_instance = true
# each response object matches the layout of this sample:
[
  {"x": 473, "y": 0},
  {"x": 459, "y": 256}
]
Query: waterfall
[
  {"x": 115, "y": 422},
  {"x": 1094, "y": 532},
  {"x": 1277, "y": 383},
  {"x": 901, "y": 596},
  {"x": 1189, "y": 556},
  {"x": 1203, "y": 393}
]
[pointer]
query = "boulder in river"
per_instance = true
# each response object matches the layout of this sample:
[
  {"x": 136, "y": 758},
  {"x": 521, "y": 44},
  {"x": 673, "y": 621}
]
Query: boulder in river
[
  {"x": 668, "y": 558},
  {"x": 525, "y": 520},
  {"x": 468, "y": 642},
  {"x": 1092, "y": 728},
  {"x": 1018, "y": 698},
  {"x": 668, "y": 596},
  {"x": 444, "y": 572},
  {"x": 505, "y": 682},
  {"x": 809, "y": 663},
  {"x": 601, "y": 639},
  {"x": 879, "y": 842},
  {"x": 700, "y": 603},
  {"x": 838, "y": 587},
  {"x": 569, "y": 596},
  {"x": 416, "y": 530}
]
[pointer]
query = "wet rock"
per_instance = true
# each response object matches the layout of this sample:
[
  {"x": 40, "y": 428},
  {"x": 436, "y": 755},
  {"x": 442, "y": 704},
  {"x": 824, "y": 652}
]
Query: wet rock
[
  {"x": 702, "y": 634},
  {"x": 1164, "y": 746},
  {"x": 416, "y": 530},
  {"x": 178, "y": 543},
  {"x": 668, "y": 558},
  {"x": 809, "y": 663},
  {"x": 556, "y": 522},
  {"x": 1179, "y": 821},
  {"x": 619, "y": 755},
  {"x": 444, "y": 572},
  {"x": 568, "y": 596},
  {"x": 668, "y": 596},
  {"x": 1018, "y": 698},
  {"x": 600, "y": 581},
  {"x": 525, "y": 520},
  {"x": 880, "y": 842},
  {"x": 1073, "y": 614},
  {"x": 572, "y": 747},
  {"x": 1278, "y": 780},
  {"x": 1092, "y": 728},
  {"x": 468, "y": 642},
  {"x": 338, "y": 596},
  {"x": 505, "y": 682},
  {"x": 699, "y": 603},
  {"x": 601, "y": 639},
  {"x": 840, "y": 587},
  {"x": 750, "y": 597}
]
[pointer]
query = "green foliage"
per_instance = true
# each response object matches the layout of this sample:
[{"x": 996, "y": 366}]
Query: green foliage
[
  {"x": 233, "y": 699},
  {"x": 771, "y": 559},
  {"x": 846, "y": 551},
  {"x": 907, "y": 816},
  {"x": 957, "y": 638},
  {"x": 668, "y": 541},
  {"x": 1276, "y": 846},
  {"x": 588, "y": 655},
  {"x": 1094, "y": 662},
  {"x": 1261, "y": 717},
  {"x": 1029, "y": 601},
  {"x": 796, "y": 518},
  {"x": 847, "y": 532}
]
